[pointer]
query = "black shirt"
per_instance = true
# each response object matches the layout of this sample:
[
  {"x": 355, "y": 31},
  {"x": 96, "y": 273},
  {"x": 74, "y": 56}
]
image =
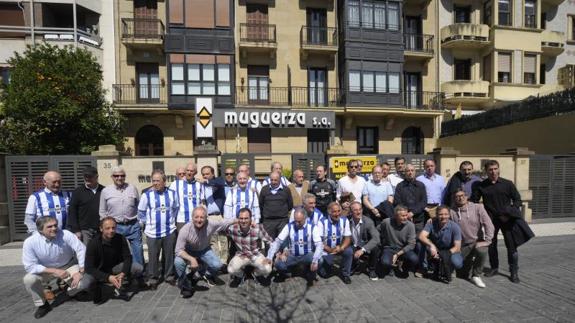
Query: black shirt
[
  {"x": 412, "y": 194},
  {"x": 102, "y": 256},
  {"x": 324, "y": 191},
  {"x": 499, "y": 198},
  {"x": 275, "y": 206},
  {"x": 83, "y": 209}
]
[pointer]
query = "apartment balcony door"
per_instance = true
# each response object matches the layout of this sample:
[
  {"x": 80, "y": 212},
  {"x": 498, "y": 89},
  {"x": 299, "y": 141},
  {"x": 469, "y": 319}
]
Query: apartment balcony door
[
  {"x": 257, "y": 20},
  {"x": 317, "y": 26},
  {"x": 412, "y": 28},
  {"x": 412, "y": 90},
  {"x": 317, "y": 87},
  {"x": 258, "y": 84},
  {"x": 148, "y": 82},
  {"x": 145, "y": 15}
]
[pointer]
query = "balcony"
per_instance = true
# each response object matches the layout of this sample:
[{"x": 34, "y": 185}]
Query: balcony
[
  {"x": 295, "y": 96},
  {"x": 318, "y": 40},
  {"x": 54, "y": 34},
  {"x": 553, "y": 2},
  {"x": 139, "y": 97},
  {"x": 465, "y": 92},
  {"x": 143, "y": 33},
  {"x": 465, "y": 36},
  {"x": 257, "y": 38},
  {"x": 418, "y": 46},
  {"x": 417, "y": 3},
  {"x": 552, "y": 42}
]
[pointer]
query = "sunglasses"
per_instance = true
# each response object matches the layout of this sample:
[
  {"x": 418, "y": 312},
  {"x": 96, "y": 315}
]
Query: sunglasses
[
  {"x": 118, "y": 176},
  {"x": 353, "y": 166},
  {"x": 229, "y": 174}
]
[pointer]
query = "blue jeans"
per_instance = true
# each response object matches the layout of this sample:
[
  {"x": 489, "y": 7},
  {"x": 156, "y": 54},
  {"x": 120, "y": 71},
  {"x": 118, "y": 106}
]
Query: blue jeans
[
  {"x": 410, "y": 259},
  {"x": 346, "y": 260},
  {"x": 285, "y": 266},
  {"x": 207, "y": 260},
  {"x": 456, "y": 260},
  {"x": 133, "y": 233}
]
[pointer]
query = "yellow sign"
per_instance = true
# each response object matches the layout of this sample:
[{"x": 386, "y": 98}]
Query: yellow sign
[
  {"x": 338, "y": 165},
  {"x": 204, "y": 117}
]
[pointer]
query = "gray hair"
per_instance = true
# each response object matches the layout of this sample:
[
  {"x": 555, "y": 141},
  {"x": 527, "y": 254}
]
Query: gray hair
[
  {"x": 299, "y": 210},
  {"x": 118, "y": 169},
  {"x": 41, "y": 221},
  {"x": 309, "y": 196},
  {"x": 159, "y": 172},
  {"x": 400, "y": 208}
]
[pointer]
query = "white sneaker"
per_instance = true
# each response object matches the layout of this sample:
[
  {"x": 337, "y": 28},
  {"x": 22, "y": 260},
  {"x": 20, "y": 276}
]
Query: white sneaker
[{"x": 477, "y": 281}]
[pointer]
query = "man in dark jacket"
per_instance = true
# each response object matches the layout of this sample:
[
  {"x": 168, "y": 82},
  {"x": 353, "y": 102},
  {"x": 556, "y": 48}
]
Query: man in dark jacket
[
  {"x": 83, "y": 216},
  {"x": 108, "y": 259},
  {"x": 365, "y": 239},
  {"x": 323, "y": 188},
  {"x": 463, "y": 179},
  {"x": 275, "y": 205},
  {"x": 502, "y": 202}
]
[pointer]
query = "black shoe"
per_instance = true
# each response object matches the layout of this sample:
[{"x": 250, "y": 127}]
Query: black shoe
[
  {"x": 310, "y": 282},
  {"x": 171, "y": 280},
  {"x": 280, "y": 278},
  {"x": 373, "y": 275},
  {"x": 152, "y": 284},
  {"x": 213, "y": 281},
  {"x": 42, "y": 310},
  {"x": 514, "y": 278},
  {"x": 491, "y": 272},
  {"x": 346, "y": 280},
  {"x": 236, "y": 281},
  {"x": 263, "y": 280},
  {"x": 186, "y": 293}
]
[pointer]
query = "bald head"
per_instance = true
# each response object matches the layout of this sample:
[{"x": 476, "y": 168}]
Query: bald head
[
  {"x": 410, "y": 172},
  {"x": 274, "y": 179},
  {"x": 52, "y": 181},
  {"x": 298, "y": 177},
  {"x": 191, "y": 171}
]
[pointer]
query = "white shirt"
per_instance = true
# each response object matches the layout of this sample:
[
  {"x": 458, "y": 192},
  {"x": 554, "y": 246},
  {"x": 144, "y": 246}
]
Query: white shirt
[
  {"x": 46, "y": 203},
  {"x": 346, "y": 185},
  {"x": 283, "y": 182},
  {"x": 40, "y": 253},
  {"x": 394, "y": 179},
  {"x": 238, "y": 199},
  {"x": 190, "y": 195},
  {"x": 356, "y": 231},
  {"x": 254, "y": 183}
]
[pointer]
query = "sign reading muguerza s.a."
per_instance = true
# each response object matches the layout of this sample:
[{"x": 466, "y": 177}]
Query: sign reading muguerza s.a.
[{"x": 273, "y": 118}]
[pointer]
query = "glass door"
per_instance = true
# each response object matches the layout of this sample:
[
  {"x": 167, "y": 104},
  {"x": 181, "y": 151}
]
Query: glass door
[
  {"x": 413, "y": 90},
  {"x": 317, "y": 87},
  {"x": 148, "y": 82},
  {"x": 317, "y": 26}
]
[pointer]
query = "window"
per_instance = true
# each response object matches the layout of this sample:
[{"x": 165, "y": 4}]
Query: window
[
  {"x": 393, "y": 15},
  {"x": 224, "y": 83},
  {"x": 149, "y": 141},
  {"x": 393, "y": 82},
  {"x": 572, "y": 22},
  {"x": 367, "y": 140},
  {"x": 259, "y": 140},
  {"x": 379, "y": 15},
  {"x": 258, "y": 84},
  {"x": 4, "y": 75},
  {"x": 374, "y": 82},
  {"x": 367, "y": 15},
  {"x": 178, "y": 85},
  {"x": 487, "y": 68},
  {"x": 412, "y": 141},
  {"x": 530, "y": 14},
  {"x": 542, "y": 70},
  {"x": 353, "y": 14},
  {"x": 317, "y": 140},
  {"x": 368, "y": 82},
  {"x": 487, "y": 12},
  {"x": 504, "y": 12},
  {"x": 462, "y": 14},
  {"x": 529, "y": 66},
  {"x": 504, "y": 68},
  {"x": 354, "y": 81},
  {"x": 199, "y": 13},
  {"x": 462, "y": 69}
]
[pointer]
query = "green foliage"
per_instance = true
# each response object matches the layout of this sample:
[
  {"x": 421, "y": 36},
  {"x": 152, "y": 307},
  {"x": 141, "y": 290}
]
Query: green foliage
[
  {"x": 287, "y": 173},
  {"x": 55, "y": 104}
]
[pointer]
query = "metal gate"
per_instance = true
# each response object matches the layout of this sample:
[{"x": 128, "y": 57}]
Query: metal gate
[
  {"x": 235, "y": 160},
  {"x": 307, "y": 163},
  {"x": 416, "y": 160},
  {"x": 552, "y": 182},
  {"x": 24, "y": 176}
]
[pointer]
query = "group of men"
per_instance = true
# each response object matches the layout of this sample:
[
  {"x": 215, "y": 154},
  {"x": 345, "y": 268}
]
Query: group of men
[{"x": 382, "y": 223}]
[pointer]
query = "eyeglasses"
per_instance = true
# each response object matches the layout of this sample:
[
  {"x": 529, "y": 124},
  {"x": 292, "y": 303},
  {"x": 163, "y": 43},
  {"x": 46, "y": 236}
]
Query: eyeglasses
[
  {"x": 353, "y": 166},
  {"x": 118, "y": 176},
  {"x": 181, "y": 174},
  {"x": 229, "y": 174},
  {"x": 51, "y": 226}
]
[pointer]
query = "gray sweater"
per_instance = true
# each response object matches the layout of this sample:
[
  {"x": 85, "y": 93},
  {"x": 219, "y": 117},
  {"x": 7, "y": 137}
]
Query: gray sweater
[
  {"x": 397, "y": 236},
  {"x": 474, "y": 222}
]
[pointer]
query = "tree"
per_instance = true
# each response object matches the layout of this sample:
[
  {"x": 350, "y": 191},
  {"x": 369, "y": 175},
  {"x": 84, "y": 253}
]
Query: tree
[{"x": 55, "y": 104}]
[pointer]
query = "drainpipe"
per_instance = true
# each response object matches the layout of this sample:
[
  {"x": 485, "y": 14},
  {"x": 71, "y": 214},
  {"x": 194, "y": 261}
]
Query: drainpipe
[
  {"x": 32, "y": 23},
  {"x": 438, "y": 46},
  {"x": 75, "y": 24}
]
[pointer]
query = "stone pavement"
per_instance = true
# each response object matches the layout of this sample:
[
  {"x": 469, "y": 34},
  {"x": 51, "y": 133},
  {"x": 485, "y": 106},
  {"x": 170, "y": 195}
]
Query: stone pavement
[{"x": 544, "y": 295}]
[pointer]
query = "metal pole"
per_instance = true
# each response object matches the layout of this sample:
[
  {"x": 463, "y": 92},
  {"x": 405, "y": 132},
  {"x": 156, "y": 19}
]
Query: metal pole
[
  {"x": 32, "y": 22},
  {"x": 75, "y": 24}
]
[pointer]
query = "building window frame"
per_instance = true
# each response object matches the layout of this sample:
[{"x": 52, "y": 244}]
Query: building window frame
[
  {"x": 529, "y": 77},
  {"x": 363, "y": 142},
  {"x": 208, "y": 83},
  {"x": 505, "y": 16},
  {"x": 487, "y": 12},
  {"x": 374, "y": 82},
  {"x": 505, "y": 76},
  {"x": 462, "y": 74},
  {"x": 530, "y": 19},
  {"x": 373, "y": 14}
]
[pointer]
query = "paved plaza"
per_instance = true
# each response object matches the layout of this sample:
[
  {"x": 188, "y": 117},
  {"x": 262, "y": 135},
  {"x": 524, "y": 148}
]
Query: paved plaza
[{"x": 545, "y": 295}]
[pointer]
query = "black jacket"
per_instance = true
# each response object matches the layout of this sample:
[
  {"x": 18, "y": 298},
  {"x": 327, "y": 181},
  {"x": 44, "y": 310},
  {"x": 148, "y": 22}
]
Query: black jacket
[
  {"x": 83, "y": 209},
  {"x": 275, "y": 206},
  {"x": 101, "y": 259},
  {"x": 412, "y": 194},
  {"x": 324, "y": 191}
]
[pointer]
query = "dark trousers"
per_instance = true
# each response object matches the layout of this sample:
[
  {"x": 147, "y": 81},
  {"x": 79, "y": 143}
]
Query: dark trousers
[
  {"x": 372, "y": 258},
  {"x": 283, "y": 267},
  {"x": 409, "y": 258},
  {"x": 512, "y": 254},
  {"x": 473, "y": 260},
  {"x": 166, "y": 244},
  {"x": 274, "y": 226},
  {"x": 346, "y": 258}
]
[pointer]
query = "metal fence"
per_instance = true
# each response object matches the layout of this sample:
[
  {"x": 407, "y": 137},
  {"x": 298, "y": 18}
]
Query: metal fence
[
  {"x": 142, "y": 28},
  {"x": 552, "y": 182}
]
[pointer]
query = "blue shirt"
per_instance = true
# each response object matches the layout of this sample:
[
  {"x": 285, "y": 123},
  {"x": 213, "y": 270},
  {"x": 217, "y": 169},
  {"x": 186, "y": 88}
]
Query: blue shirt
[
  {"x": 434, "y": 186},
  {"x": 443, "y": 238},
  {"x": 40, "y": 253},
  {"x": 377, "y": 193},
  {"x": 46, "y": 203},
  {"x": 159, "y": 210}
]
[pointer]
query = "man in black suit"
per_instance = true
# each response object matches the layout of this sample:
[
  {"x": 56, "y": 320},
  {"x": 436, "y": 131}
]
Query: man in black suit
[{"x": 365, "y": 239}]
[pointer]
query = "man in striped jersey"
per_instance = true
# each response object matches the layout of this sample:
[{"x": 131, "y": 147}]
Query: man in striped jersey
[
  {"x": 336, "y": 235},
  {"x": 242, "y": 197},
  {"x": 312, "y": 213},
  {"x": 50, "y": 201},
  {"x": 157, "y": 209},
  {"x": 253, "y": 183},
  {"x": 277, "y": 167},
  {"x": 190, "y": 195},
  {"x": 305, "y": 247}
]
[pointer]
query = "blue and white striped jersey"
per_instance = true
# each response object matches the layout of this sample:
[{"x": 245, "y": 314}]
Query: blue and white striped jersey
[
  {"x": 254, "y": 183},
  {"x": 46, "y": 203},
  {"x": 190, "y": 196},
  {"x": 332, "y": 233},
  {"x": 238, "y": 199},
  {"x": 313, "y": 219},
  {"x": 158, "y": 210}
]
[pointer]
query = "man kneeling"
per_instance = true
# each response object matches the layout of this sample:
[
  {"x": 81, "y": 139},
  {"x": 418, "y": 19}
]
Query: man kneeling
[
  {"x": 247, "y": 239},
  {"x": 51, "y": 255},
  {"x": 305, "y": 247},
  {"x": 109, "y": 260}
]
